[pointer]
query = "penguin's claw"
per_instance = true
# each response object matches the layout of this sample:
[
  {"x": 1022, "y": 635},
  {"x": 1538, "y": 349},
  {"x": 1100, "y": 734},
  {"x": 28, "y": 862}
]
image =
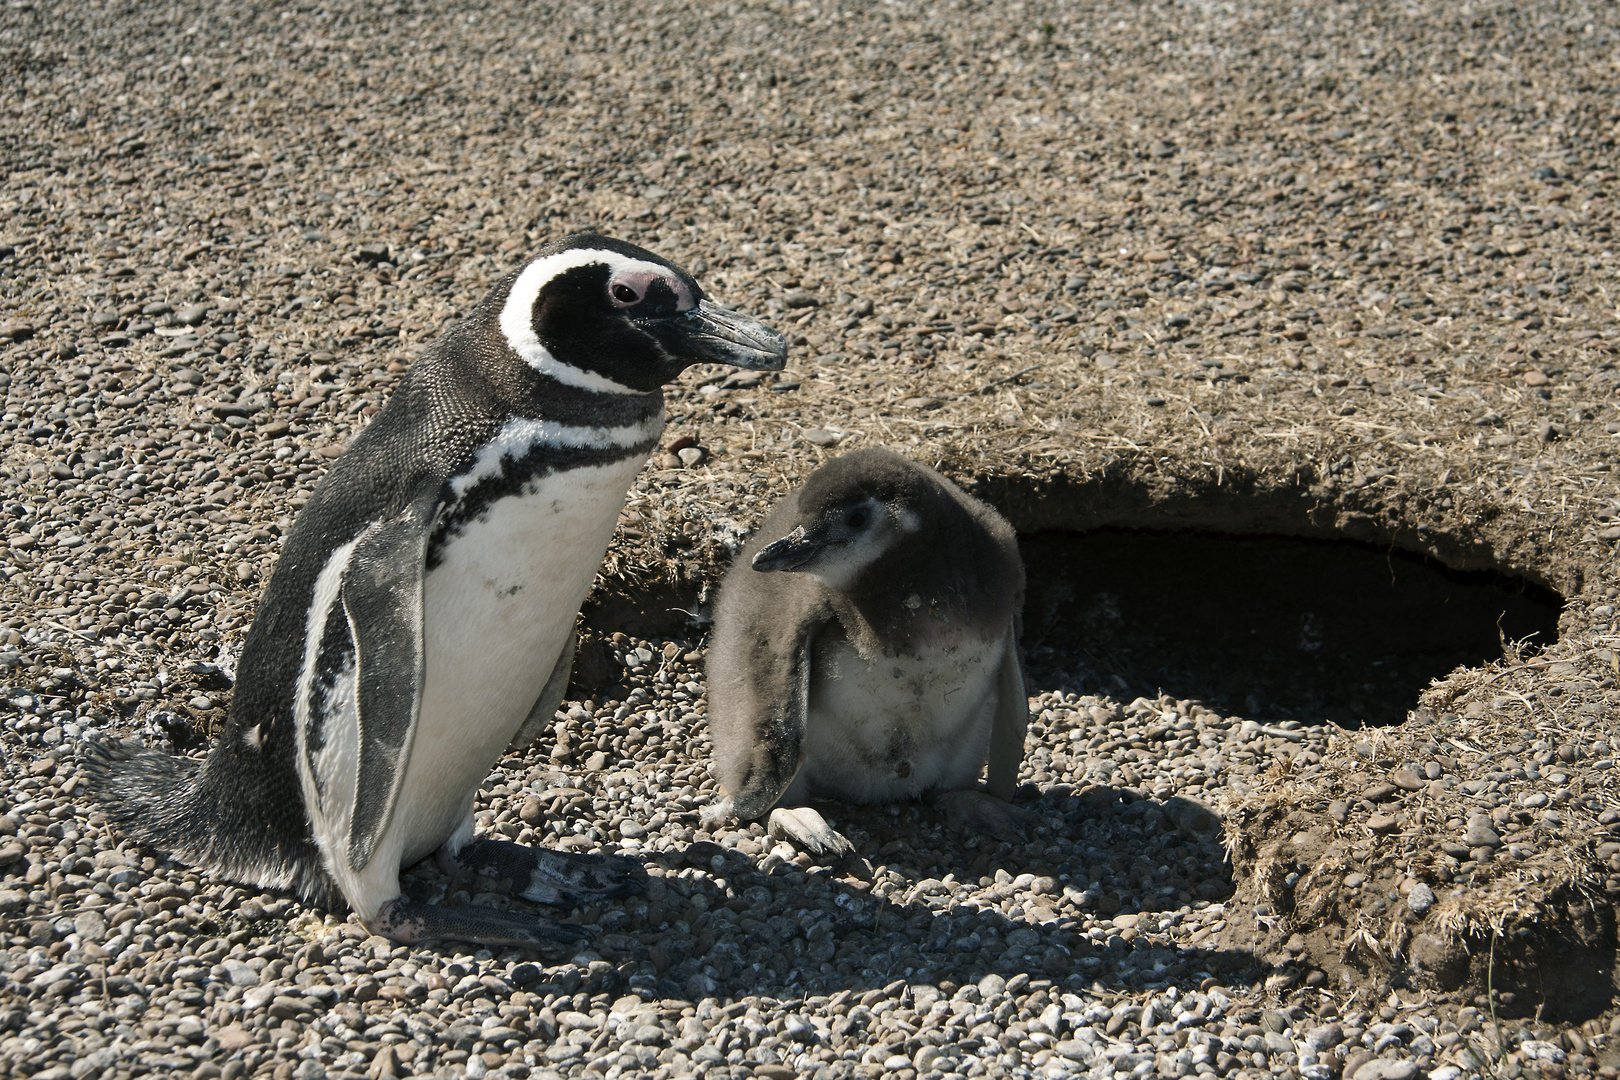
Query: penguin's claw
[
  {"x": 975, "y": 810},
  {"x": 547, "y": 876},
  {"x": 807, "y": 828},
  {"x": 409, "y": 923}
]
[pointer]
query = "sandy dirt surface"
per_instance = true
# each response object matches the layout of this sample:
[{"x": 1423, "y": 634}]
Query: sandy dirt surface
[{"x": 1328, "y": 281}]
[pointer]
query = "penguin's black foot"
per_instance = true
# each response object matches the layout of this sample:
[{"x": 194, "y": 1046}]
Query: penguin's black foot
[
  {"x": 409, "y": 923},
  {"x": 808, "y": 829},
  {"x": 978, "y": 811},
  {"x": 546, "y": 876}
]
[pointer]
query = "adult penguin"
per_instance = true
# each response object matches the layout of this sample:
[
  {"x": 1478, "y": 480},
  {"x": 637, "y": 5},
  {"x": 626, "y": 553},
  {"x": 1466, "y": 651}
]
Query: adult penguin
[{"x": 424, "y": 604}]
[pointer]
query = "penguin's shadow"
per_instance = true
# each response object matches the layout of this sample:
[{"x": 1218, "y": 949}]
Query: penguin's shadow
[{"x": 961, "y": 909}]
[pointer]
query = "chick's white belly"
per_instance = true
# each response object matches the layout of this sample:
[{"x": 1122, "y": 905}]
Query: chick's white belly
[
  {"x": 498, "y": 610},
  {"x": 896, "y": 727}
]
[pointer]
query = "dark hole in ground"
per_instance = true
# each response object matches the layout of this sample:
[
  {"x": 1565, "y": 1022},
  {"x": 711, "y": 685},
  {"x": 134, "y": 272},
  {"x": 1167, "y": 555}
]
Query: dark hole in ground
[{"x": 1269, "y": 628}]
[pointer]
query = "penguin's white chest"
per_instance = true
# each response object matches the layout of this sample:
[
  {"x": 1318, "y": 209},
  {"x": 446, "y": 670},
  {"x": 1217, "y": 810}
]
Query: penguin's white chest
[
  {"x": 498, "y": 610},
  {"x": 894, "y": 727}
]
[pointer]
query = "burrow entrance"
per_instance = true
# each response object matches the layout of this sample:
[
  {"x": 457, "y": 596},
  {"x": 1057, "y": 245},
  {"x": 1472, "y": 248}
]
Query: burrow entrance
[{"x": 1270, "y": 628}]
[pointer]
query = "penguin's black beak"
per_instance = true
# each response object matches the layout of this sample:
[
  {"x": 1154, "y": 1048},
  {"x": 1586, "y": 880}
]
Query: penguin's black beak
[
  {"x": 795, "y": 551},
  {"x": 715, "y": 335}
]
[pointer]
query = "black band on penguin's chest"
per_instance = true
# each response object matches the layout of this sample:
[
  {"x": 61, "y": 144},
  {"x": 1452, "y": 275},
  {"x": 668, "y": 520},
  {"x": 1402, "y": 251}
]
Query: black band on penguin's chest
[{"x": 516, "y": 475}]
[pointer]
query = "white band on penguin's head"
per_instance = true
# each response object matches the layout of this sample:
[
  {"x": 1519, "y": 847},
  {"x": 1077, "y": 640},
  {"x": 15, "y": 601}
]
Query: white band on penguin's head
[{"x": 517, "y": 316}]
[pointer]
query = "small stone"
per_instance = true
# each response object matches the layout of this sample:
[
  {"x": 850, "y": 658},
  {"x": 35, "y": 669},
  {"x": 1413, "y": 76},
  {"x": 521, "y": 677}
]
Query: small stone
[
  {"x": 1536, "y": 378},
  {"x": 1420, "y": 899},
  {"x": 192, "y": 314},
  {"x": 1379, "y": 792},
  {"x": 1480, "y": 833},
  {"x": 533, "y": 811},
  {"x": 90, "y": 925},
  {"x": 1385, "y": 1069},
  {"x": 819, "y": 437},
  {"x": 1339, "y": 811},
  {"x": 385, "y": 1066},
  {"x": 692, "y": 456},
  {"x": 1355, "y": 1060},
  {"x": 1382, "y": 823},
  {"x": 1406, "y": 780}
]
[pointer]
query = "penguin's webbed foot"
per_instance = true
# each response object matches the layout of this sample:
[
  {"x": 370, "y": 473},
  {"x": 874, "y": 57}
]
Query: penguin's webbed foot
[
  {"x": 547, "y": 876},
  {"x": 976, "y": 810},
  {"x": 807, "y": 828},
  {"x": 408, "y": 923}
]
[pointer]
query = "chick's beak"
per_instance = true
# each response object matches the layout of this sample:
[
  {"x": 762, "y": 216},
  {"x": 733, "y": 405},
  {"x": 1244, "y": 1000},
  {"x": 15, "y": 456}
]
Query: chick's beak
[{"x": 793, "y": 552}]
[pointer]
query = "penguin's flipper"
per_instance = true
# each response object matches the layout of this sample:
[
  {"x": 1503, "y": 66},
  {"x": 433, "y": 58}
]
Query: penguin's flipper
[
  {"x": 382, "y": 596},
  {"x": 551, "y": 695},
  {"x": 547, "y": 876},
  {"x": 409, "y": 923},
  {"x": 807, "y": 828},
  {"x": 776, "y": 753},
  {"x": 1011, "y": 722}
]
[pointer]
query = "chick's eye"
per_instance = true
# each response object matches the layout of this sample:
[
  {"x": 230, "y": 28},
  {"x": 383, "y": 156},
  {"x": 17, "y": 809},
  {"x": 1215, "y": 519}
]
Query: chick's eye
[
  {"x": 624, "y": 294},
  {"x": 857, "y": 519}
]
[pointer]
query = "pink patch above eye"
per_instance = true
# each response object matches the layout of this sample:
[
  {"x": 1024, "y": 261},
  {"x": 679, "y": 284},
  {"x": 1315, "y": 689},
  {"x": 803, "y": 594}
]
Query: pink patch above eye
[{"x": 629, "y": 287}]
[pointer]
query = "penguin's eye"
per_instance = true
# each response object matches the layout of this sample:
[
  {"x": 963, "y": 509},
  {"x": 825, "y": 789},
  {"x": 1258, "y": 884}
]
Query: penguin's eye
[
  {"x": 857, "y": 518},
  {"x": 623, "y": 294}
]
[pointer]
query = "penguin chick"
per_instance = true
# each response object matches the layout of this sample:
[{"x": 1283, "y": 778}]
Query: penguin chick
[
  {"x": 424, "y": 604},
  {"x": 866, "y": 648}
]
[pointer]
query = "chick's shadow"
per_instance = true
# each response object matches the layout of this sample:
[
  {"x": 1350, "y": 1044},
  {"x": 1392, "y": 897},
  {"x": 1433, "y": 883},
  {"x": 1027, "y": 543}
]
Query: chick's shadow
[{"x": 826, "y": 929}]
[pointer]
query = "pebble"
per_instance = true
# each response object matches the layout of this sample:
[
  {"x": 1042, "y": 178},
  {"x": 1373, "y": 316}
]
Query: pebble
[
  {"x": 1421, "y": 898},
  {"x": 1480, "y": 832},
  {"x": 1406, "y": 780},
  {"x": 1386, "y": 1069}
]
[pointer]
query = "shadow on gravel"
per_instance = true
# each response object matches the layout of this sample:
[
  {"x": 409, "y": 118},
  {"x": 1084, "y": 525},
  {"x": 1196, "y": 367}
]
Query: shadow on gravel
[
  {"x": 1112, "y": 852},
  {"x": 1269, "y": 628}
]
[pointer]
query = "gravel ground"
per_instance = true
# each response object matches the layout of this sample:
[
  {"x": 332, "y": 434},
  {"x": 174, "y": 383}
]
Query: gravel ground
[{"x": 1326, "y": 272}]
